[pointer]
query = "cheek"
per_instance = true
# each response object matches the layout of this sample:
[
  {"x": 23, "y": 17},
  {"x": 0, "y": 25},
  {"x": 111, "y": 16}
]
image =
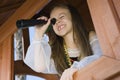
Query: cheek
[{"x": 55, "y": 29}]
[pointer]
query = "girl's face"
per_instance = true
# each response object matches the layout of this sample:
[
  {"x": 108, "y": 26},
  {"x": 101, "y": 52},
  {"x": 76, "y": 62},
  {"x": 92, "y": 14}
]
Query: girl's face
[{"x": 63, "y": 25}]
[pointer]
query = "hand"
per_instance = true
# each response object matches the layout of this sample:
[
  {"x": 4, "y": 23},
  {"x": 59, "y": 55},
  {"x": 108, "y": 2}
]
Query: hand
[
  {"x": 68, "y": 74},
  {"x": 40, "y": 29}
]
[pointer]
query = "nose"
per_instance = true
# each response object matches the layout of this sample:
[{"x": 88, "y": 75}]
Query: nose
[{"x": 58, "y": 21}]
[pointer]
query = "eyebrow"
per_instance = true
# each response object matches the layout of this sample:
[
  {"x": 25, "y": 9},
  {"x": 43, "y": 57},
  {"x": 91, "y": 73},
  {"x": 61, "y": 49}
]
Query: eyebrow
[{"x": 61, "y": 13}]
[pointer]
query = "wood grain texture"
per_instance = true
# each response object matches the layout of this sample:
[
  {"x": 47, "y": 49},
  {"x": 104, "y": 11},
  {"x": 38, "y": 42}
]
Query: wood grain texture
[
  {"x": 106, "y": 22},
  {"x": 101, "y": 69},
  {"x": 27, "y": 10},
  {"x": 106, "y": 26},
  {"x": 6, "y": 66}
]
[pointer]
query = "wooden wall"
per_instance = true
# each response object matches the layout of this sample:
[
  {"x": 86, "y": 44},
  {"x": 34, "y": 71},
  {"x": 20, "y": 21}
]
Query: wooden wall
[
  {"x": 106, "y": 18},
  {"x": 27, "y": 10}
]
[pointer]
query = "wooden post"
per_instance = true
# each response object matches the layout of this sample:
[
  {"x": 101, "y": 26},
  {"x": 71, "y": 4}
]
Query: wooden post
[
  {"x": 106, "y": 23},
  {"x": 6, "y": 59}
]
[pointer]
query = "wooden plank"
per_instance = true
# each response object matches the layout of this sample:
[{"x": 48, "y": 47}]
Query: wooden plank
[
  {"x": 21, "y": 68},
  {"x": 115, "y": 9},
  {"x": 105, "y": 25},
  {"x": 12, "y": 6},
  {"x": 101, "y": 69},
  {"x": 26, "y": 40},
  {"x": 6, "y": 61},
  {"x": 27, "y": 10},
  {"x": 117, "y": 6},
  {"x": 0, "y": 60}
]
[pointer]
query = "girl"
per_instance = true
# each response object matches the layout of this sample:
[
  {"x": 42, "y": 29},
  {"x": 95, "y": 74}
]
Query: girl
[{"x": 70, "y": 47}]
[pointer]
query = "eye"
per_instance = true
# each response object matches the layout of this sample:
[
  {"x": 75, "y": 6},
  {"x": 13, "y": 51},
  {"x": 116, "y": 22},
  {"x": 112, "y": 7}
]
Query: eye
[{"x": 61, "y": 17}]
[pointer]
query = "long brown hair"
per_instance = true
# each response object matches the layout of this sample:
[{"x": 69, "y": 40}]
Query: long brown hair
[{"x": 57, "y": 42}]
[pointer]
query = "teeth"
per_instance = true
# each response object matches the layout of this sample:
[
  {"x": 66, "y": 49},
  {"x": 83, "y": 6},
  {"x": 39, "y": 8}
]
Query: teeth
[{"x": 60, "y": 27}]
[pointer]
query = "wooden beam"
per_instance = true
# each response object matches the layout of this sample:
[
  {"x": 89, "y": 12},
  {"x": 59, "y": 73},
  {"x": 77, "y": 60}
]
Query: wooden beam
[
  {"x": 117, "y": 6},
  {"x": 21, "y": 68},
  {"x": 107, "y": 26},
  {"x": 10, "y": 7},
  {"x": 25, "y": 40},
  {"x": 27, "y": 10},
  {"x": 0, "y": 60},
  {"x": 6, "y": 59},
  {"x": 101, "y": 69}
]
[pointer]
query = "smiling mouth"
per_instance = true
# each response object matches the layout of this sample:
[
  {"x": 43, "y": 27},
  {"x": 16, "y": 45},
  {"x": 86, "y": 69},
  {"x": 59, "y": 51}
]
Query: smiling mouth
[{"x": 60, "y": 27}]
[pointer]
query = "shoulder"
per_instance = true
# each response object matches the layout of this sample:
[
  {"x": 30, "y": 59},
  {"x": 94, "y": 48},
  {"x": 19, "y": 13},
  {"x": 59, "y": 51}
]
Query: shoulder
[
  {"x": 94, "y": 42},
  {"x": 92, "y": 36}
]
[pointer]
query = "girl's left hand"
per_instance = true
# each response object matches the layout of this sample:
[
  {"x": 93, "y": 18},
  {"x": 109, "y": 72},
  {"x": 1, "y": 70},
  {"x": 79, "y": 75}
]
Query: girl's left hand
[{"x": 68, "y": 74}]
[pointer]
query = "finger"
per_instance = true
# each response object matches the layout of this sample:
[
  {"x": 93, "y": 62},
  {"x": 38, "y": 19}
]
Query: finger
[
  {"x": 71, "y": 74},
  {"x": 43, "y": 25},
  {"x": 48, "y": 22},
  {"x": 64, "y": 75},
  {"x": 43, "y": 18},
  {"x": 72, "y": 71}
]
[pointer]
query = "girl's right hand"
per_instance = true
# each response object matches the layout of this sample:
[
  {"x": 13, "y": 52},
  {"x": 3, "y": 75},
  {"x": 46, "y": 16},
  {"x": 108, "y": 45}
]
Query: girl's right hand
[{"x": 40, "y": 29}]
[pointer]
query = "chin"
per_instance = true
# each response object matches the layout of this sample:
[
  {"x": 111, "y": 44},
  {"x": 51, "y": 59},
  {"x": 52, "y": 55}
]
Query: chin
[{"x": 62, "y": 35}]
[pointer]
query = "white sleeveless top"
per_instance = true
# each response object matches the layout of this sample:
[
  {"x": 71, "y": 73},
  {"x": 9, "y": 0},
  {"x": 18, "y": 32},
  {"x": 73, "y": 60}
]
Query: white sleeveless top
[{"x": 39, "y": 53}]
